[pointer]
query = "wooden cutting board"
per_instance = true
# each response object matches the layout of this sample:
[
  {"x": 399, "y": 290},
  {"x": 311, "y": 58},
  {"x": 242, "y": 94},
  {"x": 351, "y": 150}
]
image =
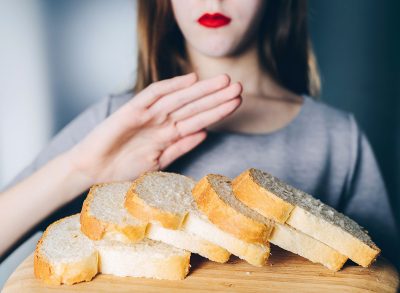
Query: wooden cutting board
[{"x": 285, "y": 272}]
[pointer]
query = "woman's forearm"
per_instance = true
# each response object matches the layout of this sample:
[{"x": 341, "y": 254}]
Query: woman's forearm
[
  {"x": 148, "y": 133},
  {"x": 30, "y": 201}
]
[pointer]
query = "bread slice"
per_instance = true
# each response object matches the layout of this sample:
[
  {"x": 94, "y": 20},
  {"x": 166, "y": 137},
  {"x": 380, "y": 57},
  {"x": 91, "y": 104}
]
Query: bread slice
[
  {"x": 147, "y": 258},
  {"x": 187, "y": 240},
  {"x": 254, "y": 254},
  {"x": 299, "y": 243},
  {"x": 104, "y": 216},
  {"x": 64, "y": 255},
  {"x": 214, "y": 197},
  {"x": 160, "y": 197},
  {"x": 275, "y": 199},
  {"x": 164, "y": 198},
  {"x": 218, "y": 189}
]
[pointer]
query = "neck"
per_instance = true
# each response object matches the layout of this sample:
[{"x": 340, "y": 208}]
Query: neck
[{"x": 244, "y": 68}]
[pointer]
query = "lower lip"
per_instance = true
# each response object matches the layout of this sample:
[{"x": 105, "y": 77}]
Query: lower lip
[{"x": 214, "y": 21}]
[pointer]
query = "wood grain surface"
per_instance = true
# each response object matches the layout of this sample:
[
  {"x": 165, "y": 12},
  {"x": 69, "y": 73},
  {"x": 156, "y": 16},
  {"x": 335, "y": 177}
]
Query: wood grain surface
[{"x": 285, "y": 272}]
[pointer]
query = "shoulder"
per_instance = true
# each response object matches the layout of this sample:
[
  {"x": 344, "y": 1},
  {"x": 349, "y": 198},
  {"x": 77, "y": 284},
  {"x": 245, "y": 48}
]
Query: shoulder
[
  {"x": 332, "y": 121},
  {"x": 327, "y": 114},
  {"x": 334, "y": 130}
]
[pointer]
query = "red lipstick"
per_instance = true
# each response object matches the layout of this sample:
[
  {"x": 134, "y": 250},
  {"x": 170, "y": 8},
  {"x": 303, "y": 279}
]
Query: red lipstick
[{"x": 214, "y": 20}]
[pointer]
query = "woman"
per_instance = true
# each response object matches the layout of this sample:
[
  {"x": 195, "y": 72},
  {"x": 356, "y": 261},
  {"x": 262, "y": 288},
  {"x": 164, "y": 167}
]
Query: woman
[{"x": 246, "y": 104}]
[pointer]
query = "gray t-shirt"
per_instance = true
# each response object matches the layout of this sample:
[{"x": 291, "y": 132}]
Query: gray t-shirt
[{"x": 322, "y": 151}]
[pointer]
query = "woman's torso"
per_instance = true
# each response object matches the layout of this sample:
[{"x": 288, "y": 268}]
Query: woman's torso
[{"x": 321, "y": 151}]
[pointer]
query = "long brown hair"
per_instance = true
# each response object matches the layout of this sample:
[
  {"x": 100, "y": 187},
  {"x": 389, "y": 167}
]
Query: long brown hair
[{"x": 284, "y": 45}]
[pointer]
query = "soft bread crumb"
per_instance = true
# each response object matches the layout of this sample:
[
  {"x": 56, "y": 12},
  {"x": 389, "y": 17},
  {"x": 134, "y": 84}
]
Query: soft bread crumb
[{"x": 309, "y": 203}]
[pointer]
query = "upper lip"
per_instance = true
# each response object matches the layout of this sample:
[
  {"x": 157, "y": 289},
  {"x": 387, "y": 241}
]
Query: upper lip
[{"x": 214, "y": 19}]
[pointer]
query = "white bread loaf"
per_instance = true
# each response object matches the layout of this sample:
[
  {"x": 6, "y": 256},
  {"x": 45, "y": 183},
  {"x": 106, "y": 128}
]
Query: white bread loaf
[
  {"x": 283, "y": 203},
  {"x": 165, "y": 199},
  {"x": 64, "y": 255},
  {"x": 214, "y": 193},
  {"x": 104, "y": 216}
]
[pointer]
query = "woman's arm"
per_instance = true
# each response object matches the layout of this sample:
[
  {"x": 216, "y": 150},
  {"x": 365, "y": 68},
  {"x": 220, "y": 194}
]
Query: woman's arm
[
  {"x": 162, "y": 122},
  {"x": 25, "y": 204}
]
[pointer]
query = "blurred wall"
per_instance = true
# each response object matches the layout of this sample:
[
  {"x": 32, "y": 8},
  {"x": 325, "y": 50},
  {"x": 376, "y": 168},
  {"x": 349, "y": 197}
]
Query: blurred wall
[
  {"x": 357, "y": 44},
  {"x": 57, "y": 58},
  {"x": 25, "y": 100},
  {"x": 91, "y": 52}
]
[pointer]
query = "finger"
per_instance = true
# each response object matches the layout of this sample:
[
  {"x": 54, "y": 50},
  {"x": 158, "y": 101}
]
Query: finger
[
  {"x": 134, "y": 112},
  {"x": 156, "y": 90},
  {"x": 181, "y": 147},
  {"x": 208, "y": 102},
  {"x": 206, "y": 118},
  {"x": 176, "y": 100}
]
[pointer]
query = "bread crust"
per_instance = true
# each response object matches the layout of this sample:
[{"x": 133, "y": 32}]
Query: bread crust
[
  {"x": 255, "y": 254},
  {"x": 173, "y": 268},
  {"x": 68, "y": 274},
  {"x": 331, "y": 235},
  {"x": 304, "y": 245},
  {"x": 213, "y": 252},
  {"x": 227, "y": 218},
  {"x": 95, "y": 229},
  {"x": 259, "y": 199},
  {"x": 180, "y": 239},
  {"x": 247, "y": 190},
  {"x": 137, "y": 207}
]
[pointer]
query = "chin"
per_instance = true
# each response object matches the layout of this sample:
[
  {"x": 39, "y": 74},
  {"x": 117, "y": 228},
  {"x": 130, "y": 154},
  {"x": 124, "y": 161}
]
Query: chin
[{"x": 211, "y": 48}]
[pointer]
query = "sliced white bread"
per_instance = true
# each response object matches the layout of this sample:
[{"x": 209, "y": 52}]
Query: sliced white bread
[
  {"x": 64, "y": 255},
  {"x": 104, "y": 216},
  {"x": 299, "y": 243},
  {"x": 283, "y": 203},
  {"x": 254, "y": 254},
  {"x": 214, "y": 197},
  {"x": 217, "y": 188},
  {"x": 190, "y": 241},
  {"x": 147, "y": 258},
  {"x": 165, "y": 198},
  {"x": 160, "y": 197}
]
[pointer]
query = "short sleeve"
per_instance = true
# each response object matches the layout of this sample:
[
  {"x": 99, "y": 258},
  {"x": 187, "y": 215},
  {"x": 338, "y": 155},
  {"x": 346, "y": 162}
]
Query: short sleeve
[
  {"x": 367, "y": 200},
  {"x": 70, "y": 135}
]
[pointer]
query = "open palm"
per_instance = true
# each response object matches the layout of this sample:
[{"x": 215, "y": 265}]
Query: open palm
[{"x": 161, "y": 123}]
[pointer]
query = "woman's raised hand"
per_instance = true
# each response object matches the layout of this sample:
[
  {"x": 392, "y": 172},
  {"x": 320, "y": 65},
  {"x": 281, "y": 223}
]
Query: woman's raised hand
[{"x": 161, "y": 123}]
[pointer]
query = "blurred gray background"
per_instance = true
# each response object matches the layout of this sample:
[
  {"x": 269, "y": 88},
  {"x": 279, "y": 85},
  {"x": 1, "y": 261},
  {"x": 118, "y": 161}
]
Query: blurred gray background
[{"x": 58, "y": 57}]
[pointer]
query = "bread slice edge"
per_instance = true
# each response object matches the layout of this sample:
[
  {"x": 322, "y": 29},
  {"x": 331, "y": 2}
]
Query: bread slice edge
[
  {"x": 65, "y": 273},
  {"x": 188, "y": 241},
  {"x": 299, "y": 243},
  {"x": 227, "y": 218},
  {"x": 96, "y": 229},
  {"x": 138, "y": 208},
  {"x": 259, "y": 199},
  {"x": 333, "y": 236},
  {"x": 254, "y": 254}
]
